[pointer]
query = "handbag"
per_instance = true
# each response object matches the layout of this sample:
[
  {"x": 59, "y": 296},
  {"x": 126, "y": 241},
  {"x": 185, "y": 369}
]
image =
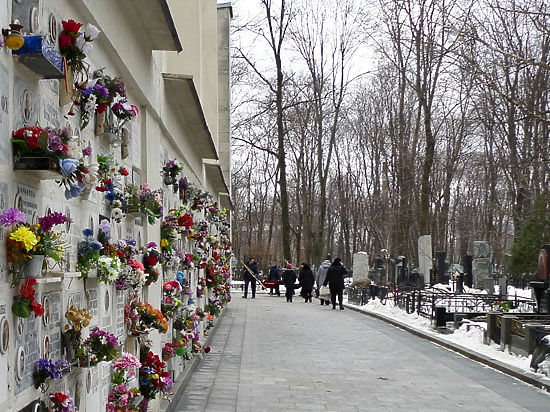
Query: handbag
[{"x": 324, "y": 291}]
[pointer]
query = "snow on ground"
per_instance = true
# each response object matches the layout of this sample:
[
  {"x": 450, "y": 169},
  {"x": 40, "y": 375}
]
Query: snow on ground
[{"x": 472, "y": 339}]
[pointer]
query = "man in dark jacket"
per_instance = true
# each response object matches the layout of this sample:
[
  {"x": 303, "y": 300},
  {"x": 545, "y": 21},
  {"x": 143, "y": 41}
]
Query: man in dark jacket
[
  {"x": 306, "y": 281},
  {"x": 335, "y": 281},
  {"x": 275, "y": 275},
  {"x": 289, "y": 278},
  {"x": 252, "y": 267}
]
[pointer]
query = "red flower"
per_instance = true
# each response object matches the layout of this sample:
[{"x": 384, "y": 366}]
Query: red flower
[
  {"x": 101, "y": 108},
  {"x": 26, "y": 292},
  {"x": 101, "y": 188},
  {"x": 71, "y": 26},
  {"x": 185, "y": 220},
  {"x": 32, "y": 141},
  {"x": 65, "y": 40},
  {"x": 37, "y": 308},
  {"x": 207, "y": 349},
  {"x": 151, "y": 260},
  {"x": 60, "y": 397},
  {"x": 123, "y": 171},
  {"x": 30, "y": 281}
]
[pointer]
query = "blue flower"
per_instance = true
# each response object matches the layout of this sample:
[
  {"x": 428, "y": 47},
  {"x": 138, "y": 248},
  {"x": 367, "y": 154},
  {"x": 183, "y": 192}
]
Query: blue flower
[
  {"x": 88, "y": 232},
  {"x": 95, "y": 245},
  {"x": 68, "y": 166},
  {"x": 75, "y": 190},
  {"x": 110, "y": 196},
  {"x": 68, "y": 195}
]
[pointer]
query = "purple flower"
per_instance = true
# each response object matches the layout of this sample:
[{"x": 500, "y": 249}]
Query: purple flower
[
  {"x": 54, "y": 142},
  {"x": 151, "y": 245},
  {"x": 12, "y": 217},
  {"x": 105, "y": 226},
  {"x": 87, "y": 151},
  {"x": 55, "y": 218}
]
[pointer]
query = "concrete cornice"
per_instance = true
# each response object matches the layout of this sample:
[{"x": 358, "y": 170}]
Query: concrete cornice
[{"x": 183, "y": 91}]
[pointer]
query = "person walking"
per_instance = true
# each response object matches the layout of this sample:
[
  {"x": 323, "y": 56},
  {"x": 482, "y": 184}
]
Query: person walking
[
  {"x": 289, "y": 278},
  {"x": 335, "y": 281},
  {"x": 275, "y": 275},
  {"x": 307, "y": 281},
  {"x": 250, "y": 266},
  {"x": 321, "y": 275}
]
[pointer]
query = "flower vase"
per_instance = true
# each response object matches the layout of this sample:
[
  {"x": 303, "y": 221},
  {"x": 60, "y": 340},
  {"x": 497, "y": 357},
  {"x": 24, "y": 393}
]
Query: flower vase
[
  {"x": 125, "y": 146},
  {"x": 100, "y": 123},
  {"x": 69, "y": 345},
  {"x": 113, "y": 138},
  {"x": 33, "y": 268},
  {"x": 66, "y": 87}
]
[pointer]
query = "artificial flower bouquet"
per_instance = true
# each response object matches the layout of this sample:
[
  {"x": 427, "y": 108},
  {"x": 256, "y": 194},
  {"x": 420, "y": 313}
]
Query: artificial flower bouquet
[
  {"x": 133, "y": 276},
  {"x": 75, "y": 44},
  {"x": 151, "y": 257},
  {"x": 100, "y": 346},
  {"x": 143, "y": 199},
  {"x": 47, "y": 369},
  {"x": 61, "y": 402},
  {"x": 124, "y": 397},
  {"x": 78, "y": 319},
  {"x": 172, "y": 294},
  {"x": 153, "y": 377},
  {"x": 109, "y": 269},
  {"x": 35, "y": 148},
  {"x": 170, "y": 173},
  {"x": 141, "y": 317},
  {"x": 88, "y": 253},
  {"x": 26, "y": 303}
]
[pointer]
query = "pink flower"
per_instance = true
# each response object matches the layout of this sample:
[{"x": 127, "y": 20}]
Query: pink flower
[
  {"x": 123, "y": 400},
  {"x": 110, "y": 407},
  {"x": 121, "y": 388}
]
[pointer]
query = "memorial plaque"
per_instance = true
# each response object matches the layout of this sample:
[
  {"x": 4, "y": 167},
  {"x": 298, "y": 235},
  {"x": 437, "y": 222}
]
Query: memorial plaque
[
  {"x": 28, "y": 199},
  {"x": 53, "y": 327},
  {"x": 92, "y": 306},
  {"x": 27, "y": 352},
  {"x": 25, "y": 99},
  {"x": 5, "y": 135},
  {"x": 120, "y": 328}
]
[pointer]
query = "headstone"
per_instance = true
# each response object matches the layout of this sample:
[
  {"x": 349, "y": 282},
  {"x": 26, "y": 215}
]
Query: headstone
[
  {"x": 481, "y": 269},
  {"x": 481, "y": 265},
  {"x": 360, "y": 266},
  {"x": 489, "y": 286},
  {"x": 481, "y": 249},
  {"x": 425, "y": 256},
  {"x": 503, "y": 287}
]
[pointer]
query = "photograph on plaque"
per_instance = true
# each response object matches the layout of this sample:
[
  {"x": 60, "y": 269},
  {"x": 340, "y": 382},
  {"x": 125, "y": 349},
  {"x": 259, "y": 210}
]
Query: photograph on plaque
[{"x": 4, "y": 335}]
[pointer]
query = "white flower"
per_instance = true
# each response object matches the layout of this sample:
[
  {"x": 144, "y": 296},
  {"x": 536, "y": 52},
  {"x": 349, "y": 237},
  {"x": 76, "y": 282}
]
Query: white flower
[
  {"x": 73, "y": 149},
  {"x": 112, "y": 275},
  {"x": 91, "y": 32},
  {"x": 87, "y": 48},
  {"x": 80, "y": 42}
]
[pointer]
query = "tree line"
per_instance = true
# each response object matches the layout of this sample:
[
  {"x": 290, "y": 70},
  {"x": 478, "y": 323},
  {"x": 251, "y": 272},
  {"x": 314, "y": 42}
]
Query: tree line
[{"x": 360, "y": 126}]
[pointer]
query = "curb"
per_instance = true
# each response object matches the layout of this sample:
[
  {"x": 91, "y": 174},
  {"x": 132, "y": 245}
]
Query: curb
[
  {"x": 513, "y": 371},
  {"x": 181, "y": 382}
]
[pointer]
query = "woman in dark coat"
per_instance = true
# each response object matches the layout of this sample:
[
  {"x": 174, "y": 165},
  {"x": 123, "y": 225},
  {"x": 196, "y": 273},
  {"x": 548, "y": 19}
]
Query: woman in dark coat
[
  {"x": 289, "y": 278},
  {"x": 335, "y": 281},
  {"x": 306, "y": 282}
]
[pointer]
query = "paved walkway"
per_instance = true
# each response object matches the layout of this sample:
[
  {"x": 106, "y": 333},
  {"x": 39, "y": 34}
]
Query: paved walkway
[{"x": 269, "y": 355}]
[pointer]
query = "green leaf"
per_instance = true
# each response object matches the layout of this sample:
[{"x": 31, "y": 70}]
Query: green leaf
[
  {"x": 43, "y": 141},
  {"x": 20, "y": 309}
]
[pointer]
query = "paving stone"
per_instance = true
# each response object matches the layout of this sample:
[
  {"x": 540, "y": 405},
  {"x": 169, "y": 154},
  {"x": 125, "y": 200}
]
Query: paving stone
[{"x": 271, "y": 356}]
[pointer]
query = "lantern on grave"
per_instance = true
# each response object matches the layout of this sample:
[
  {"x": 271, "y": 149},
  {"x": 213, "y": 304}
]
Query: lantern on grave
[{"x": 13, "y": 38}]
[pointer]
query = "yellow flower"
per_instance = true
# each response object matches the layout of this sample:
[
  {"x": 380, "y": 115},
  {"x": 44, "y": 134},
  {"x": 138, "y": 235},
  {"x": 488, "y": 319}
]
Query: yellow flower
[
  {"x": 23, "y": 234},
  {"x": 163, "y": 243}
]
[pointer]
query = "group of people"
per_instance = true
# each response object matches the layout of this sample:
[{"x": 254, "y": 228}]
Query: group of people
[{"x": 331, "y": 274}]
